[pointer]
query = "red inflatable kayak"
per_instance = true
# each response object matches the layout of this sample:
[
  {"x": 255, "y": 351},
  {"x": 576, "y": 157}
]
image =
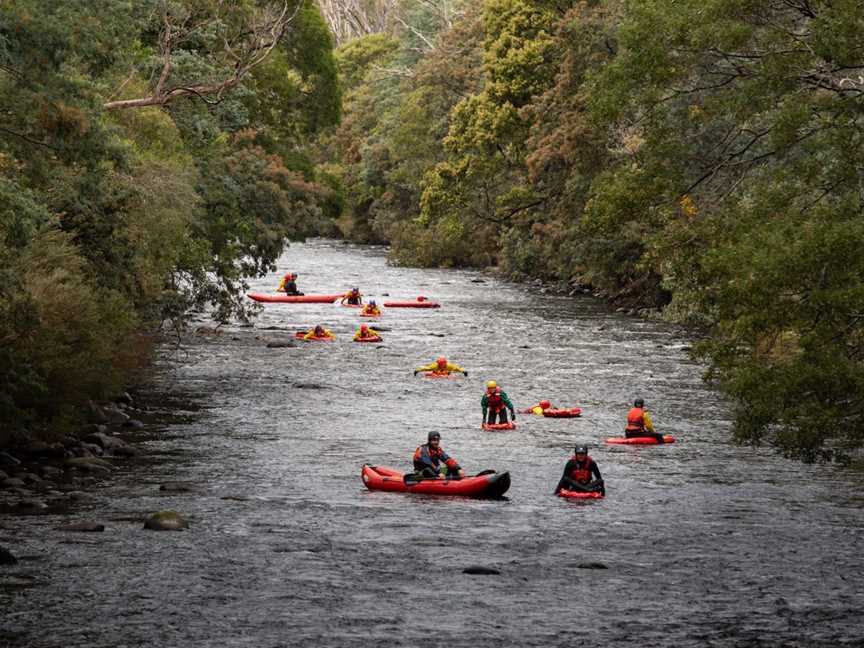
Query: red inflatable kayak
[
  {"x": 483, "y": 485},
  {"x": 667, "y": 438},
  {"x": 293, "y": 299},
  {"x": 510, "y": 425},
  {"x": 315, "y": 338},
  {"x": 579, "y": 494},
  {"x": 375, "y": 338},
  {"x": 420, "y": 302},
  {"x": 563, "y": 413}
]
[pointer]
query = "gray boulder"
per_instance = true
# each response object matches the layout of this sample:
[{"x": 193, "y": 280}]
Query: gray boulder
[
  {"x": 8, "y": 460},
  {"x": 166, "y": 521},
  {"x": 83, "y": 527}
]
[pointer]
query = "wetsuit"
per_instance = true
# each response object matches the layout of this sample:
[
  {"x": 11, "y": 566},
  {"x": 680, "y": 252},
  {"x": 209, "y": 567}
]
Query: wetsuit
[
  {"x": 355, "y": 299},
  {"x": 495, "y": 404},
  {"x": 370, "y": 334},
  {"x": 370, "y": 310},
  {"x": 327, "y": 333},
  {"x": 577, "y": 476},
  {"x": 291, "y": 288},
  {"x": 639, "y": 425},
  {"x": 429, "y": 462}
]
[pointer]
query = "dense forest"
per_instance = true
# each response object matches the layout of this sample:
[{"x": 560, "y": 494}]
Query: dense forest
[{"x": 699, "y": 158}]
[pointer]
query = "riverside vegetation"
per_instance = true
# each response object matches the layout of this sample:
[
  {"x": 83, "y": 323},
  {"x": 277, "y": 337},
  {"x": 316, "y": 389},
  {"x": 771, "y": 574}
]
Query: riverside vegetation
[{"x": 701, "y": 157}]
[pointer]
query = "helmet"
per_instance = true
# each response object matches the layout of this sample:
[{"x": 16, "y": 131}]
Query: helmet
[
  {"x": 639, "y": 403},
  {"x": 545, "y": 404},
  {"x": 372, "y": 302},
  {"x": 434, "y": 435},
  {"x": 364, "y": 328},
  {"x": 442, "y": 361},
  {"x": 581, "y": 449},
  {"x": 355, "y": 290},
  {"x": 491, "y": 384},
  {"x": 319, "y": 329}
]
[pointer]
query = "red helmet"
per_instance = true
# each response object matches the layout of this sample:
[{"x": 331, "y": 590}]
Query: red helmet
[
  {"x": 544, "y": 404},
  {"x": 442, "y": 361},
  {"x": 364, "y": 328}
]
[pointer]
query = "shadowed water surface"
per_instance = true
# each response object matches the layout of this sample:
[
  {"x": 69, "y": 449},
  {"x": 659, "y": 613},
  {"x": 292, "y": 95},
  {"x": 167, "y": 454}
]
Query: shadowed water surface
[{"x": 704, "y": 543}]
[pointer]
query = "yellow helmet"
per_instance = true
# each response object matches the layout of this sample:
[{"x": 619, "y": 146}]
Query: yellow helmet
[{"x": 491, "y": 384}]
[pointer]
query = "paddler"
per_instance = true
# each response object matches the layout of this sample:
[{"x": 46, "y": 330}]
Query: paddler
[
  {"x": 539, "y": 408},
  {"x": 494, "y": 401},
  {"x": 288, "y": 285},
  {"x": 319, "y": 332},
  {"x": 353, "y": 297},
  {"x": 639, "y": 422},
  {"x": 365, "y": 332},
  {"x": 441, "y": 367},
  {"x": 431, "y": 462},
  {"x": 371, "y": 309},
  {"x": 578, "y": 474}
]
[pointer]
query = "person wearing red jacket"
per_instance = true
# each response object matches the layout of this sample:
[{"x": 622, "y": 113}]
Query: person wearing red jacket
[
  {"x": 578, "y": 473},
  {"x": 432, "y": 462}
]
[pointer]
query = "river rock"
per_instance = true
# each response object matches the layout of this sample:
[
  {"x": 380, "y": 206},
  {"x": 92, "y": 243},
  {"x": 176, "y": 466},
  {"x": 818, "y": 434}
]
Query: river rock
[
  {"x": 42, "y": 449},
  {"x": 12, "y": 482},
  {"x": 91, "y": 464},
  {"x": 32, "y": 505},
  {"x": 166, "y": 521},
  {"x": 3, "y": 476},
  {"x": 115, "y": 415},
  {"x": 591, "y": 565},
  {"x": 83, "y": 527},
  {"x": 6, "y": 557},
  {"x": 177, "y": 487},
  {"x": 8, "y": 460},
  {"x": 96, "y": 413},
  {"x": 50, "y": 471},
  {"x": 135, "y": 424},
  {"x": 124, "y": 399},
  {"x": 30, "y": 478},
  {"x": 112, "y": 445},
  {"x": 480, "y": 570},
  {"x": 280, "y": 344},
  {"x": 308, "y": 386}
]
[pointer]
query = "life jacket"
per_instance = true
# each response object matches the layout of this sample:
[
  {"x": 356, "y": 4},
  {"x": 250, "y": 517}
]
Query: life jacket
[
  {"x": 582, "y": 473},
  {"x": 494, "y": 400},
  {"x": 635, "y": 420}
]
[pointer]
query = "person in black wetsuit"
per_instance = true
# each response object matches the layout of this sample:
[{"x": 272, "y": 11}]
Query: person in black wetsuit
[
  {"x": 291, "y": 285},
  {"x": 578, "y": 473}
]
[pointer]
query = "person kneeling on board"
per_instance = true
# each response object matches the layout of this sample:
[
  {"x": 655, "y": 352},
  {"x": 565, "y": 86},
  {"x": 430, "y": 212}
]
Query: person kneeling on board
[
  {"x": 494, "y": 402},
  {"x": 639, "y": 423},
  {"x": 431, "y": 462},
  {"x": 288, "y": 285},
  {"x": 441, "y": 368},
  {"x": 578, "y": 474},
  {"x": 353, "y": 297}
]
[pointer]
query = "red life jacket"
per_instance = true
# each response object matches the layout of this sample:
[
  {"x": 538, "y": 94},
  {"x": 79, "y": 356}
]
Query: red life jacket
[
  {"x": 635, "y": 419},
  {"x": 582, "y": 472},
  {"x": 494, "y": 400}
]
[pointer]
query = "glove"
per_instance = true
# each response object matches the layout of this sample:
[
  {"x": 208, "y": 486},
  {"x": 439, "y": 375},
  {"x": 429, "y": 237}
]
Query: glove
[
  {"x": 512, "y": 415},
  {"x": 415, "y": 372},
  {"x": 466, "y": 373}
]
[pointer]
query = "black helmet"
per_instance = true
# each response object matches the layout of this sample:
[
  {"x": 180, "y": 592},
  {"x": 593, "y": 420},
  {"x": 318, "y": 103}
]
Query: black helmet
[
  {"x": 639, "y": 403},
  {"x": 434, "y": 435},
  {"x": 581, "y": 449}
]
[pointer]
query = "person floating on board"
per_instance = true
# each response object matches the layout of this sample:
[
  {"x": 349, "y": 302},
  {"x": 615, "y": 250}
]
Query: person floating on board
[
  {"x": 366, "y": 333},
  {"x": 539, "y": 408},
  {"x": 639, "y": 422},
  {"x": 578, "y": 474},
  {"x": 319, "y": 332},
  {"x": 288, "y": 285},
  {"x": 431, "y": 462},
  {"x": 353, "y": 297},
  {"x": 441, "y": 368},
  {"x": 371, "y": 309},
  {"x": 494, "y": 401}
]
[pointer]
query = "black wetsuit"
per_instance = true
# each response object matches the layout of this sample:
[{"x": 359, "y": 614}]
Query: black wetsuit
[
  {"x": 573, "y": 465},
  {"x": 291, "y": 288}
]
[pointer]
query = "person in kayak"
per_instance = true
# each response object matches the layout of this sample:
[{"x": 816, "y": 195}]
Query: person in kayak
[
  {"x": 578, "y": 473},
  {"x": 431, "y": 462},
  {"x": 319, "y": 332},
  {"x": 494, "y": 401},
  {"x": 353, "y": 297},
  {"x": 288, "y": 285},
  {"x": 441, "y": 367},
  {"x": 366, "y": 332},
  {"x": 639, "y": 422},
  {"x": 371, "y": 309}
]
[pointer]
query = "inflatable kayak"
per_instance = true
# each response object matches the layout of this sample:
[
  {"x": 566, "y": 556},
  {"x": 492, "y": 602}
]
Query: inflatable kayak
[
  {"x": 579, "y": 494},
  {"x": 293, "y": 299},
  {"x": 315, "y": 338},
  {"x": 563, "y": 413},
  {"x": 667, "y": 438},
  {"x": 510, "y": 425},
  {"x": 420, "y": 302},
  {"x": 487, "y": 484},
  {"x": 376, "y": 338}
]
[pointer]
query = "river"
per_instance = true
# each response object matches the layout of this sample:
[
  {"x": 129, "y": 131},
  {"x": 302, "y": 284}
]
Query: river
[{"x": 704, "y": 543}]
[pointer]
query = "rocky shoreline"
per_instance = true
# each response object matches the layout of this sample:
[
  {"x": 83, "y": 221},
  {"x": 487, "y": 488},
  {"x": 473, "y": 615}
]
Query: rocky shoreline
[{"x": 40, "y": 477}]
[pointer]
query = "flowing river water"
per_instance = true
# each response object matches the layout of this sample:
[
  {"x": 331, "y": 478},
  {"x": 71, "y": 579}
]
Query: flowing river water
[{"x": 703, "y": 543}]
